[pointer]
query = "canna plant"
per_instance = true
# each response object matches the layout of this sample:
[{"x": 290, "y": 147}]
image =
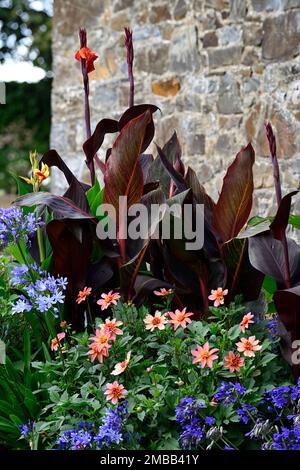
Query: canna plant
[{"x": 237, "y": 255}]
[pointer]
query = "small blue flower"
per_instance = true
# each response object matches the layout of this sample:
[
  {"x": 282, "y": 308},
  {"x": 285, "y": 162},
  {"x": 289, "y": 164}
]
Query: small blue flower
[
  {"x": 229, "y": 392},
  {"x": 22, "y": 305}
]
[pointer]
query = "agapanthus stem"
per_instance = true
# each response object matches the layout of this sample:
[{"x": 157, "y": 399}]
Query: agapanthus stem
[
  {"x": 130, "y": 57},
  {"x": 40, "y": 240},
  {"x": 276, "y": 175}
]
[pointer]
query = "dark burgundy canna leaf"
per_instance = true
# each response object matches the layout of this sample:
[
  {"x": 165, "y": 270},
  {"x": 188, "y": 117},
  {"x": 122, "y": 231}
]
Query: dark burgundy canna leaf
[
  {"x": 172, "y": 151},
  {"x": 99, "y": 273},
  {"x": 198, "y": 189},
  {"x": 135, "y": 111},
  {"x": 267, "y": 255},
  {"x": 52, "y": 158},
  {"x": 234, "y": 205},
  {"x": 150, "y": 187},
  {"x": 92, "y": 145},
  {"x": 71, "y": 242},
  {"x": 123, "y": 175},
  {"x": 280, "y": 223},
  {"x": 76, "y": 191},
  {"x": 129, "y": 270},
  {"x": 62, "y": 206},
  {"x": 173, "y": 173},
  {"x": 145, "y": 285},
  {"x": 146, "y": 161},
  {"x": 242, "y": 277},
  {"x": 287, "y": 303}
]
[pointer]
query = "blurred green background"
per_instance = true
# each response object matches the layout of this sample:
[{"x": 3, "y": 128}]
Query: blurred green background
[{"x": 25, "y": 36}]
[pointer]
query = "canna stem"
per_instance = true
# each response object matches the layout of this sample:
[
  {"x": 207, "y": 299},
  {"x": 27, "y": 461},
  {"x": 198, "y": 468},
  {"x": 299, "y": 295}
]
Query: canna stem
[
  {"x": 130, "y": 57},
  {"x": 87, "y": 113},
  {"x": 277, "y": 183}
]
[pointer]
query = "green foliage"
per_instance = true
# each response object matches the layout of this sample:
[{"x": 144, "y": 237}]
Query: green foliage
[
  {"x": 23, "y": 127},
  {"x": 19, "y": 21},
  {"x": 159, "y": 374}
]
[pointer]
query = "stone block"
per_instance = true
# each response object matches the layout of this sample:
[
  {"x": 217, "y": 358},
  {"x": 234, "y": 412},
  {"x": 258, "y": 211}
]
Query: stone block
[
  {"x": 183, "y": 54},
  {"x": 238, "y": 9},
  {"x": 166, "y": 87},
  {"x": 229, "y": 100},
  {"x": 159, "y": 13},
  {"x": 210, "y": 39},
  {"x": 180, "y": 9},
  {"x": 225, "y": 56},
  {"x": 158, "y": 58},
  {"x": 281, "y": 39},
  {"x": 229, "y": 35}
]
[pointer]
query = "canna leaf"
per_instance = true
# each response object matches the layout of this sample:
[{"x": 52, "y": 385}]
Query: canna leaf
[
  {"x": 62, "y": 206},
  {"x": 123, "y": 173},
  {"x": 235, "y": 202}
]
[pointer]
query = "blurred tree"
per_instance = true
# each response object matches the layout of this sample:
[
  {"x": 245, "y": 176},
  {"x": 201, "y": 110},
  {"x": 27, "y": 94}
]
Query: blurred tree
[
  {"x": 25, "y": 34},
  {"x": 25, "y": 31}
]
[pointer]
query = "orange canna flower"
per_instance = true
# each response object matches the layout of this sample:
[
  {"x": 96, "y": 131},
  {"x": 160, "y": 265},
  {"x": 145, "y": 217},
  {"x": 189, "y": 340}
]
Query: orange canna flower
[
  {"x": 204, "y": 355},
  {"x": 162, "y": 292},
  {"x": 115, "y": 392},
  {"x": 108, "y": 299},
  {"x": 247, "y": 319},
  {"x": 55, "y": 343},
  {"x": 43, "y": 173},
  {"x": 83, "y": 294},
  {"x": 218, "y": 296},
  {"x": 157, "y": 321},
  {"x": 234, "y": 361},
  {"x": 89, "y": 56},
  {"x": 110, "y": 327},
  {"x": 248, "y": 346},
  {"x": 180, "y": 318},
  {"x": 121, "y": 366}
]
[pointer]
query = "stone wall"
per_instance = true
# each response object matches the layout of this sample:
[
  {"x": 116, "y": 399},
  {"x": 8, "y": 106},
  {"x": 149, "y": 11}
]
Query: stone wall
[{"x": 218, "y": 69}]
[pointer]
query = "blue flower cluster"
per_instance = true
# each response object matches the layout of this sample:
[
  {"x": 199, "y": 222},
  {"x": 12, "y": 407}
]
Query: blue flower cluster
[
  {"x": 272, "y": 326},
  {"x": 16, "y": 226},
  {"x": 26, "y": 429},
  {"x": 229, "y": 392},
  {"x": 280, "y": 428},
  {"x": 195, "y": 427},
  {"x": 43, "y": 294},
  {"x": 86, "y": 436}
]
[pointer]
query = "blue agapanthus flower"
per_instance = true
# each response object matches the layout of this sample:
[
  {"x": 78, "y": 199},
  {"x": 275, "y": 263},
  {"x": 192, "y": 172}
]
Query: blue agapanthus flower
[
  {"x": 43, "y": 294},
  {"x": 87, "y": 436},
  {"x": 26, "y": 429},
  {"x": 196, "y": 428},
  {"x": 246, "y": 412},
  {"x": 229, "y": 392},
  {"x": 16, "y": 226}
]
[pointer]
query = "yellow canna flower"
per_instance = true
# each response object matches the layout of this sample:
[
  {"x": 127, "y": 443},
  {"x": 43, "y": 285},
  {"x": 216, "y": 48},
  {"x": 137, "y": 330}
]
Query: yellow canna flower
[{"x": 41, "y": 174}]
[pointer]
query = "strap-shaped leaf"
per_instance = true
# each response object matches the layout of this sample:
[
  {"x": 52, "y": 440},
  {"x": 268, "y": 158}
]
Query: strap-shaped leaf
[
  {"x": 235, "y": 202},
  {"x": 123, "y": 175},
  {"x": 62, "y": 206}
]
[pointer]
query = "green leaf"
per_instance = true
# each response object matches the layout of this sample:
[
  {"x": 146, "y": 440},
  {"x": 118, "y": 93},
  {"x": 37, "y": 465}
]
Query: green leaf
[
  {"x": 234, "y": 332},
  {"x": 267, "y": 358},
  {"x": 295, "y": 221},
  {"x": 256, "y": 220},
  {"x": 95, "y": 197},
  {"x": 23, "y": 187}
]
